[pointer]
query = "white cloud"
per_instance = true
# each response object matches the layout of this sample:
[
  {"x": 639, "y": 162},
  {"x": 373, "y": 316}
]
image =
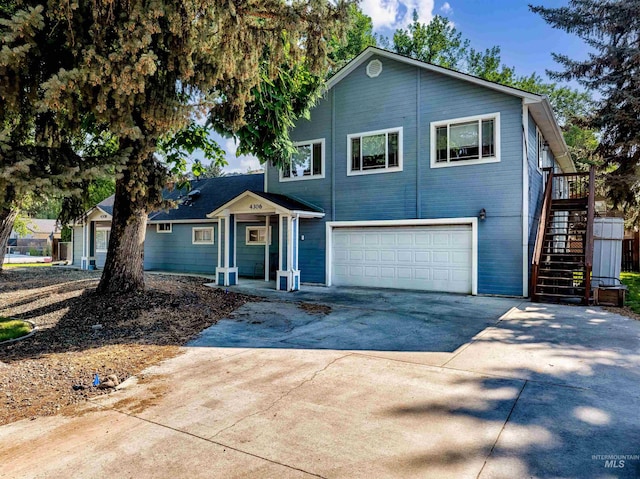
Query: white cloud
[
  {"x": 237, "y": 164},
  {"x": 392, "y": 14},
  {"x": 446, "y": 8}
]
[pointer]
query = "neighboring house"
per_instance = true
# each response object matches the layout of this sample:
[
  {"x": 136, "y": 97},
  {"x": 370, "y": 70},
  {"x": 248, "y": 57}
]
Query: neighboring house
[
  {"x": 407, "y": 175},
  {"x": 40, "y": 237}
]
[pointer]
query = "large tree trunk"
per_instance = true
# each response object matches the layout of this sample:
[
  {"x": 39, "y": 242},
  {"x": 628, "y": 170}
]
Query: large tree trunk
[
  {"x": 137, "y": 191},
  {"x": 7, "y": 218}
]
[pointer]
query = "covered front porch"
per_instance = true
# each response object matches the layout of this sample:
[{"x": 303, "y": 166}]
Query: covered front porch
[{"x": 260, "y": 213}]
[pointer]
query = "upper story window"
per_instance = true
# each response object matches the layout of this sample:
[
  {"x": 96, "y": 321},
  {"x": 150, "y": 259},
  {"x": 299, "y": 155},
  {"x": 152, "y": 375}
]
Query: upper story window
[
  {"x": 374, "y": 152},
  {"x": 307, "y": 163},
  {"x": 465, "y": 141},
  {"x": 163, "y": 228}
]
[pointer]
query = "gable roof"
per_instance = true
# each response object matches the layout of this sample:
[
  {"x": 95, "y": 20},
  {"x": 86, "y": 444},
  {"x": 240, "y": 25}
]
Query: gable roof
[
  {"x": 209, "y": 195},
  {"x": 288, "y": 202},
  {"x": 539, "y": 105},
  {"x": 273, "y": 202}
]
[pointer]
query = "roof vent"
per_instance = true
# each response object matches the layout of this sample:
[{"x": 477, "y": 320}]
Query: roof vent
[
  {"x": 193, "y": 194},
  {"x": 374, "y": 68}
]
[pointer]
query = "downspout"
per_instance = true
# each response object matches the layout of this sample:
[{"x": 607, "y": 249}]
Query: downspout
[
  {"x": 333, "y": 155},
  {"x": 418, "y": 152},
  {"x": 525, "y": 200}
]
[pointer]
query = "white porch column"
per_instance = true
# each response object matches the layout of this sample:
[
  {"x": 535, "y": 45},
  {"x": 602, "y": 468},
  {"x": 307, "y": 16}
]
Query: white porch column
[
  {"x": 266, "y": 248},
  {"x": 84, "y": 262},
  {"x": 226, "y": 272},
  {"x": 288, "y": 276}
]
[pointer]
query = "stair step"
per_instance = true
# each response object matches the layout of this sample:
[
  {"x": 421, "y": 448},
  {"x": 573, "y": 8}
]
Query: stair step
[
  {"x": 559, "y": 278},
  {"x": 560, "y": 286},
  {"x": 577, "y": 295}
]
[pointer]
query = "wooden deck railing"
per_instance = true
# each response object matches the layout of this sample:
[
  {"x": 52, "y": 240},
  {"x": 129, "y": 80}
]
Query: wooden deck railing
[
  {"x": 537, "y": 251},
  {"x": 571, "y": 186}
]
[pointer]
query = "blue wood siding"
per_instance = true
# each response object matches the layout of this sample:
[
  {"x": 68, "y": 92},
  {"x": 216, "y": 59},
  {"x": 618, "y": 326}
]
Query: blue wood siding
[
  {"x": 411, "y": 98},
  {"x": 462, "y": 191},
  {"x": 175, "y": 252},
  {"x": 77, "y": 246},
  {"x": 250, "y": 257}
]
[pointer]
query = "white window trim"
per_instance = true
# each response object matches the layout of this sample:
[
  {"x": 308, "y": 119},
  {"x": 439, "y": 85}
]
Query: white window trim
[
  {"x": 102, "y": 228},
  {"x": 392, "y": 169},
  {"x": 170, "y": 230},
  {"x": 258, "y": 243},
  {"x": 322, "y": 162},
  {"x": 478, "y": 118},
  {"x": 201, "y": 228}
]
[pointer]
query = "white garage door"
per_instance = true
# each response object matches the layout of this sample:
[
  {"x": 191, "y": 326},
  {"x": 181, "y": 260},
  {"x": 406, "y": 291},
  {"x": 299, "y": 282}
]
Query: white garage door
[{"x": 431, "y": 258}]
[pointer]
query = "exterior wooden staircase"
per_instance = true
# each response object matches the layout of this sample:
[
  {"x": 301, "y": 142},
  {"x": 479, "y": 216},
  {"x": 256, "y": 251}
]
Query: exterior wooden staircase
[{"x": 563, "y": 254}]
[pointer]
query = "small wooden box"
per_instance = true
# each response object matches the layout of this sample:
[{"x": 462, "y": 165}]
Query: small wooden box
[{"x": 610, "y": 295}]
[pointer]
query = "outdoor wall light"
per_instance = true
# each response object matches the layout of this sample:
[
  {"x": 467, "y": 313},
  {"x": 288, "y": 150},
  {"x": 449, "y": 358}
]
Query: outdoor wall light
[{"x": 482, "y": 215}]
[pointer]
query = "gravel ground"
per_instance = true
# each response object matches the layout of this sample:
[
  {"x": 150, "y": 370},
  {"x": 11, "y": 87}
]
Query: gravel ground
[{"x": 81, "y": 334}]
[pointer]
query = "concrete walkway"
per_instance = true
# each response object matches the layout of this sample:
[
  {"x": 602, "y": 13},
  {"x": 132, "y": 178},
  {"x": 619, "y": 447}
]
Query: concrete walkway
[{"x": 536, "y": 391}]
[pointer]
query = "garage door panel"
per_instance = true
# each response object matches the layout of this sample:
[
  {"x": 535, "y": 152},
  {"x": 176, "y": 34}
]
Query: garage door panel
[
  {"x": 461, "y": 257},
  {"x": 387, "y": 272},
  {"x": 404, "y": 240},
  {"x": 422, "y": 273},
  {"x": 386, "y": 255},
  {"x": 441, "y": 257},
  {"x": 388, "y": 239},
  {"x": 422, "y": 257},
  {"x": 371, "y": 271},
  {"x": 432, "y": 258},
  {"x": 405, "y": 257},
  {"x": 371, "y": 255},
  {"x": 404, "y": 273},
  {"x": 356, "y": 255}
]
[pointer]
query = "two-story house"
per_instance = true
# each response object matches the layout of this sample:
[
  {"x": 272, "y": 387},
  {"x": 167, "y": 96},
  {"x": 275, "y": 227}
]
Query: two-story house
[{"x": 407, "y": 175}]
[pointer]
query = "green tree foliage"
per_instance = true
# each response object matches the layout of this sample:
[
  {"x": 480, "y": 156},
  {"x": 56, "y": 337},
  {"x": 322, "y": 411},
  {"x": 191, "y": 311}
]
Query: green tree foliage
[
  {"x": 277, "y": 103},
  {"x": 437, "y": 42},
  {"x": 141, "y": 70},
  {"x": 441, "y": 44},
  {"x": 359, "y": 35},
  {"x": 612, "y": 29}
]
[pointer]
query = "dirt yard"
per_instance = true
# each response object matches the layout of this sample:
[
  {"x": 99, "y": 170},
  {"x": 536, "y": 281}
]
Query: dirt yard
[{"x": 81, "y": 334}]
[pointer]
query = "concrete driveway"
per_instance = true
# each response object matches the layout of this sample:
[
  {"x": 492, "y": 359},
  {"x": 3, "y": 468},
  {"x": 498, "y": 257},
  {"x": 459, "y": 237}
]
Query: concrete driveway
[{"x": 379, "y": 384}]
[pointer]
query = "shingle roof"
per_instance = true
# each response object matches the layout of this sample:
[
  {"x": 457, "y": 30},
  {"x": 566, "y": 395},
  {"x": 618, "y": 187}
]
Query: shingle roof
[
  {"x": 107, "y": 205},
  {"x": 213, "y": 193},
  {"x": 288, "y": 202}
]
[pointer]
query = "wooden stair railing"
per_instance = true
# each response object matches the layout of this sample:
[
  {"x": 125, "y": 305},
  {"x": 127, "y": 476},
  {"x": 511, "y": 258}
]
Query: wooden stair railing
[{"x": 542, "y": 225}]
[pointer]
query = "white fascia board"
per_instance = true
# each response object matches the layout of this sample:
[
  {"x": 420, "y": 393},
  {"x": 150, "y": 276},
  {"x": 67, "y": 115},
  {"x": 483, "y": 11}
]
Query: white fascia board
[
  {"x": 278, "y": 210},
  {"x": 542, "y": 113},
  {"x": 197, "y": 220},
  {"x": 370, "y": 51},
  {"x": 306, "y": 214}
]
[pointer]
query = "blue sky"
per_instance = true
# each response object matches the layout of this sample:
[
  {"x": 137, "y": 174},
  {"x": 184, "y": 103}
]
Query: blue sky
[{"x": 526, "y": 41}]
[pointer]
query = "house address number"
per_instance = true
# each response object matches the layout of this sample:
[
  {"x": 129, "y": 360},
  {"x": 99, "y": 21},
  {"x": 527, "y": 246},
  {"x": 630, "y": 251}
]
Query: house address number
[{"x": 255, "y": 206}]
